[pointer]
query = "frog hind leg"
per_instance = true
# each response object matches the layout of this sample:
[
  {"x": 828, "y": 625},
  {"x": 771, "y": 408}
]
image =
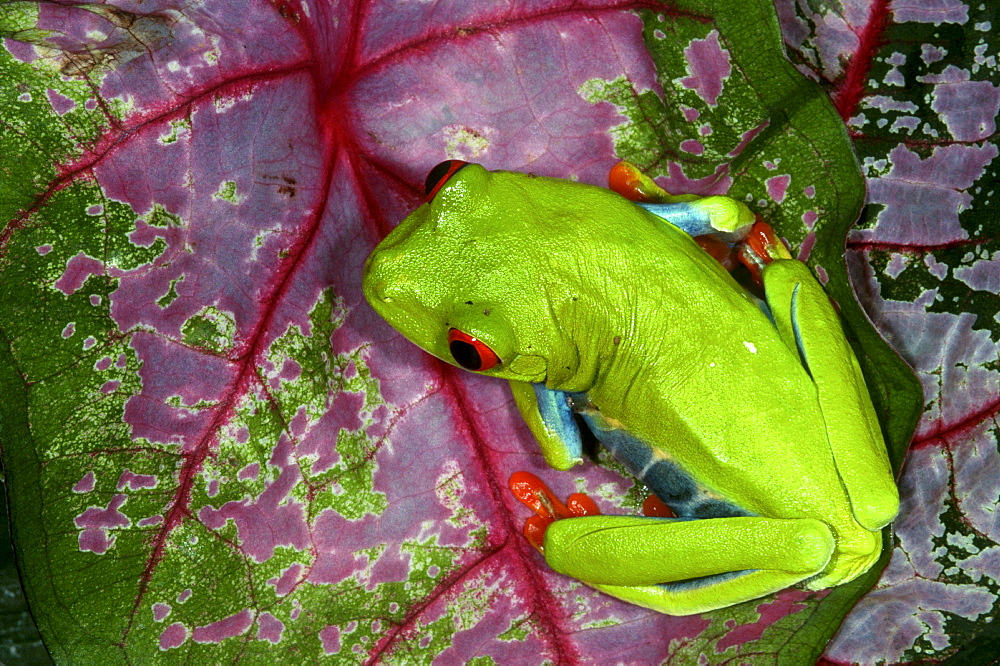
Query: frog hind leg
[
  {"x": 810, "y": 327},
  {"x": 683, "y": 566}
]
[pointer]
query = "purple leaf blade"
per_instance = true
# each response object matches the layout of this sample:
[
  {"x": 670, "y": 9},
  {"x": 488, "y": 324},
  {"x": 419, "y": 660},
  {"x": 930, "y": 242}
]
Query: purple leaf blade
[{"x": 221, "y": 452}]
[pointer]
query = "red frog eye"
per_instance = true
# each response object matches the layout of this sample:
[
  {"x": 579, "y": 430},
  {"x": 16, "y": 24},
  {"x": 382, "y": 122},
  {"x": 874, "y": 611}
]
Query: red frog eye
[
  {"x": 439, "y": 175},
  {"x": 470, "y": 353}
]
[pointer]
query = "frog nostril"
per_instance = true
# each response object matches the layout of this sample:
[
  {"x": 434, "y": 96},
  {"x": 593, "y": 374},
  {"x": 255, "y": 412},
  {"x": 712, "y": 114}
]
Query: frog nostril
[{"x": 381, "y": 291}]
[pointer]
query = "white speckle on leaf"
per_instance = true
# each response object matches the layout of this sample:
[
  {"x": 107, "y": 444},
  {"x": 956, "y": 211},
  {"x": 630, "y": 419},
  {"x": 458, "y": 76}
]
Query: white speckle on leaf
[
  {"x": 885, "y": 103},
  {"x": 751, "y": 346},
  {"x": 909, "y": 123},
  {"x": 464, "y": 142},
  {"x": 963, "y": 541},
  {"x": 930, "y": 53}
]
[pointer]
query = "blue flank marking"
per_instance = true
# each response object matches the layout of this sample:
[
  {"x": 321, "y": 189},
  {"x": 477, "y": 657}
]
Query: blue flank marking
[
  {"x": 664, "y": 476},
  {"x": 704, "y": 581},
  {"x": 795, "y": 329},
  {"x": 558, "y": 417},
  {"x": 684, "y": 216},
  {"x": 764, "y": 307},
  {"x": 668, "y": 481}
]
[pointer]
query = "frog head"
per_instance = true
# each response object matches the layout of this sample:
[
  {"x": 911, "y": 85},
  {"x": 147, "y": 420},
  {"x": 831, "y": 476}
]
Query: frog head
[{"x": 484, "y": 275}]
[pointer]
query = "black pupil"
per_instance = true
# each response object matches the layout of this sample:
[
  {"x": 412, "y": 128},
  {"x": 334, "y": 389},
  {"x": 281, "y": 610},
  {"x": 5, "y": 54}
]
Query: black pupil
[
  {"x": 465, "y": 354},
  {"x": 436, "y": 174}
]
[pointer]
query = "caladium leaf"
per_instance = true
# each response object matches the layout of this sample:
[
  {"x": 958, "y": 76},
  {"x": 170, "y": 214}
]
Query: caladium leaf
[
  {"x": 214, "y": 449},
  {"x": 918, "y": 87}
]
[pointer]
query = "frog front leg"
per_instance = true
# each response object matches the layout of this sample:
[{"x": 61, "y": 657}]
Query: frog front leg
[
  {"x": 550, "y": 420},
  {"x": 720, "y": 217},
  {"x": 683, "y": 566}
]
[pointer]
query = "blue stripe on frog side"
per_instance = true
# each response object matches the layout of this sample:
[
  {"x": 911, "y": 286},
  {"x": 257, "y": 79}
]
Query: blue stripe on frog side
[
  {"x": 661, "y": 474},
  {"x": 704, "y": 581}
]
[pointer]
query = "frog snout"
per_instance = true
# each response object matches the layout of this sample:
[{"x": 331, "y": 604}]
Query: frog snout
[
  {"x": 379, "y": 292},
  {"x": 378, "y": 288},
  {"x": 376, "y": 277},
  {"x": 382, "y": 279}
]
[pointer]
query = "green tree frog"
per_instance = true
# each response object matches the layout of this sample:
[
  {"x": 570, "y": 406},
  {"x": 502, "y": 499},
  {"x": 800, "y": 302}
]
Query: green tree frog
[{"x": 749, "y": 419}]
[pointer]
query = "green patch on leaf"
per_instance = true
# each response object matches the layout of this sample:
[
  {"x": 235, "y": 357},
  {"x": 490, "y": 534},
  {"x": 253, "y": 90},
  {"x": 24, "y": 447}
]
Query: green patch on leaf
[
  {"x": 211, "y": 329},
  {"x": 519, "y": 630},
  {"x": 640, "y": 139},
  {"x": 160, "y": 217},
  {"x": 227, "y": 192},
  {"x": 171, "y": 294},
  {"x": 178, "y": 128}
]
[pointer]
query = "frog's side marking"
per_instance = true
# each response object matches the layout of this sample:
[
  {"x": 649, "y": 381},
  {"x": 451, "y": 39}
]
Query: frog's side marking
[
  {"x": 753, "y": 423},
  {"x": 663, "y": 475}
]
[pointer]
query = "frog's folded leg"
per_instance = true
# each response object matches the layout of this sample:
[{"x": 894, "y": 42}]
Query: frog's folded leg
[
  {"x": 811, "y": 328},
  {"x": 550, "y": 420},
  {"x": 682, "y": 566}
]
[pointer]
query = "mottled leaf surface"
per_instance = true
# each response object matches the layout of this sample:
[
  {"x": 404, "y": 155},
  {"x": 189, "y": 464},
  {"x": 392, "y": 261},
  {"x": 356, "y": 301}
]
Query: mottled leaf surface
[
  {"x": 918, "y": 86},
  {"x": 214, "y": 450}
]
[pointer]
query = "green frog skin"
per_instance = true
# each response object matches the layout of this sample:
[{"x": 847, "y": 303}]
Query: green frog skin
[{"x": 751, "y": 421}]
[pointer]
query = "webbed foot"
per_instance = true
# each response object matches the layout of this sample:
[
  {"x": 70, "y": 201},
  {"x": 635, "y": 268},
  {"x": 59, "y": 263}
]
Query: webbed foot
[
  {"x": 534, "y": 494},
  {"x": 761, "y": 247}
]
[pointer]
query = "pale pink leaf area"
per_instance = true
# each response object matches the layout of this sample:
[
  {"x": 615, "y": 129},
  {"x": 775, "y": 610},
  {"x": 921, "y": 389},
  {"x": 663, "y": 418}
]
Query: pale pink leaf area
[
  {"x": 776, "y": 187},
  {"x": 227, "y": 627},
  {"x": 86, "y": 484},
  {"x": 709, "y": 67},
  {"x": 160, "y": 612},
  {"x": 173, "y": 636}
]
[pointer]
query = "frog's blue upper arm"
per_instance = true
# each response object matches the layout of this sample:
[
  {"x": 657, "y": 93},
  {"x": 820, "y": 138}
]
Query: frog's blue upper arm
[
  {"x": 688, "y": 218},
  {"x": 558, "y": 417},
  {"x": 720, "y": 217}
]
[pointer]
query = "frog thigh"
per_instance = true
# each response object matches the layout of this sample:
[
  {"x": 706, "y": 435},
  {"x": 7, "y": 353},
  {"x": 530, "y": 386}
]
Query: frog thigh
[
  {"x": 551, "y": 422},
  {"x": 718, "y": 562},
  {"x": 809, "y": 325}
]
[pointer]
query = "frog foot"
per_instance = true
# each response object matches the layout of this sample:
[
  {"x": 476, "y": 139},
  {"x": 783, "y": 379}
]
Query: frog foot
[
  {"x": 654, "y": 507},
  {"x": 761, "y": 247},
  {"x": 720, "y": 251},
  {"x": 534, "y": 494}
]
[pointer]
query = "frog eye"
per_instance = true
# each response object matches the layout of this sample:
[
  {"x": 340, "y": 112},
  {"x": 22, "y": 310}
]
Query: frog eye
[
  {"x": 470, "y": 353},
  {"x": 439, "y": 175}
]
